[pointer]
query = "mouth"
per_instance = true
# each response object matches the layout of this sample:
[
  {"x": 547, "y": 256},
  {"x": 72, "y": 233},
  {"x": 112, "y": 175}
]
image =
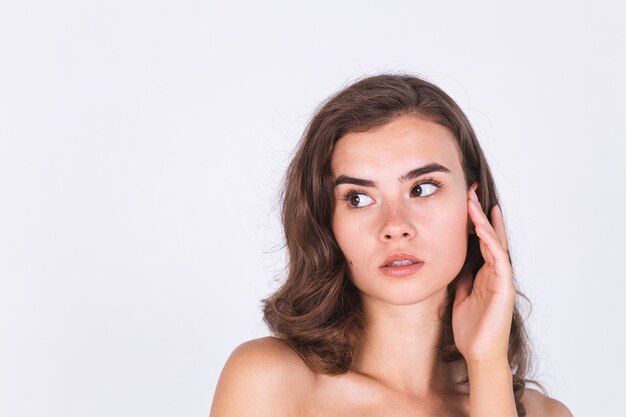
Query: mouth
[
  {"x": 401, "y": 265},
  {"x": 404, "y": 262},
  {"x": 400, "y": 259}
]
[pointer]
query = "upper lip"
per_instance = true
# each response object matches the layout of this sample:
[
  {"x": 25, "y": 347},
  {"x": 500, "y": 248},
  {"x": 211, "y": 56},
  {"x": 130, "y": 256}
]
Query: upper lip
[{"x": 400, "y": 256}]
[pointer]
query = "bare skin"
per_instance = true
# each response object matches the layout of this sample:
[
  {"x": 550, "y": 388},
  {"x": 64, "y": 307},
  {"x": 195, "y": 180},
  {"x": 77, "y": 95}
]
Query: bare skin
[
  {"x": 265, "y": 377},
  {"x": 397, "y": 371}
]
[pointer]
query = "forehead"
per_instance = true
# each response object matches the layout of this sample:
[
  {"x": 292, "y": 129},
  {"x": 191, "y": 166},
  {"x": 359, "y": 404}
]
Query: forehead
[{"x": 403, "y": 144}]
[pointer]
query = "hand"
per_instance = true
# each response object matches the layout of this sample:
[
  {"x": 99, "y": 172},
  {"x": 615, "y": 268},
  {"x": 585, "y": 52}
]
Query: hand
[{"x": 482, "y": 312}]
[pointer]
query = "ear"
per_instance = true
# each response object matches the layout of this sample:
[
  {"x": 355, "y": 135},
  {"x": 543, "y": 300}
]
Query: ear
[{"x": 470, "y": 224}]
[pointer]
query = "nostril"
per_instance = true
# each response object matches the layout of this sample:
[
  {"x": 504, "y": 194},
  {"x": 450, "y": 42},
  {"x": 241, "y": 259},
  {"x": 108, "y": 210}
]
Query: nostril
[{"x": 404, "y": 234}]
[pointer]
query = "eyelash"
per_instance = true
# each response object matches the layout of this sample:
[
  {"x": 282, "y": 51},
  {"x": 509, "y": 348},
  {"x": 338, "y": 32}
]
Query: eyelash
[{"x": 348, "y": 194}]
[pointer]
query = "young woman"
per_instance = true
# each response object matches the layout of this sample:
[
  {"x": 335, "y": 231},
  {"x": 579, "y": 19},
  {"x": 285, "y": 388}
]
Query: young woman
[{"x": 400, "y": 298}]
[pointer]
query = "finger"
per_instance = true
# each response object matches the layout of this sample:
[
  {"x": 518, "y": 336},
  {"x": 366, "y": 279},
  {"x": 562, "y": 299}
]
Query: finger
[
  {"x": 476, "y": 216},
  {"x": 484, "y": 248},
  {"x": 480, "y": 218},
  {"x": 500, "y": 257},
  {"x": 463, "y": 289},
  {"x": 497, "y": 229},
  {"x": 499, "y": 226}
]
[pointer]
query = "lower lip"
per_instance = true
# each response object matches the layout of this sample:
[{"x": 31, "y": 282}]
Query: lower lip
[{"x": 401, "y": 271}]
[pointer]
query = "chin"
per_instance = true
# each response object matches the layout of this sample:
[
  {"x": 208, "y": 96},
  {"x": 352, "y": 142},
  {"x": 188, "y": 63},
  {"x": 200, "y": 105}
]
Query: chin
[{"x": 404, "y": 295}]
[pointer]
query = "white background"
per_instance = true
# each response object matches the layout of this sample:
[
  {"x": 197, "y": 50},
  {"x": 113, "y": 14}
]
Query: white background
[{"x": 142, "y": 144}]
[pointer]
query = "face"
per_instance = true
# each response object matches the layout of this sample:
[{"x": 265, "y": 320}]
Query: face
[{"x": 386, "y": 205}]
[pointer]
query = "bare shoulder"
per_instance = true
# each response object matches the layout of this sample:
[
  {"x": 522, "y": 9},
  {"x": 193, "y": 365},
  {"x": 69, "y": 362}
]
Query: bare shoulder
[
  {"x": 539, "y": 405},
  {"x": 262, "y": 377}
]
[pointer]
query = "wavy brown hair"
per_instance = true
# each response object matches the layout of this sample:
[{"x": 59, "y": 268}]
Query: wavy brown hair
[{"x": 317, "y": 310}]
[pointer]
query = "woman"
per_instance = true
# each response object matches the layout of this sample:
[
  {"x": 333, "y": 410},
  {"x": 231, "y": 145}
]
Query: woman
[{"x": 400, "y": 298}]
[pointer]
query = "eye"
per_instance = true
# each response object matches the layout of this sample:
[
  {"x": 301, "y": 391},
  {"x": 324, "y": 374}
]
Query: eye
[
  {"x": 358, "y": 200},
  {"x": 423, "y": 190}
]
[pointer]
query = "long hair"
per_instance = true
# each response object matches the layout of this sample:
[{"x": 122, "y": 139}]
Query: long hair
[{"x": 317, "y": 310}]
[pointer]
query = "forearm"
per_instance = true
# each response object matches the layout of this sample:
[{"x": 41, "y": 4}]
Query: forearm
[{"x": 491, "y": 390}]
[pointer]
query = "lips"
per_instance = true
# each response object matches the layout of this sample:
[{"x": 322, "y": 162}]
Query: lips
[
  {"x": 401, "y": 265},
  {"x": 401, "y": 256}
]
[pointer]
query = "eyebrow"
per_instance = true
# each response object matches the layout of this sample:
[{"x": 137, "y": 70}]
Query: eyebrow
[{"x": 417, "y": 172}]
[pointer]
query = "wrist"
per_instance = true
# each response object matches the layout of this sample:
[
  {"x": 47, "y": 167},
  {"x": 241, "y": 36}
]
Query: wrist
[
  {"x": 499, "y": 361},
  {"x": 491, "y": 389},
  {"x": 500, "y": 366}
]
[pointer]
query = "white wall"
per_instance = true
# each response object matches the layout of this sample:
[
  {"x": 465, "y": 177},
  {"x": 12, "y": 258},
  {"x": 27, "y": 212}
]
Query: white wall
[{"x": 142, "y": 144}]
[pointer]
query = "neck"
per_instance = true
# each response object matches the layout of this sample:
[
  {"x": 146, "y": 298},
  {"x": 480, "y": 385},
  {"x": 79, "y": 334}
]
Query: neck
[{"x": 401, "y": 346}]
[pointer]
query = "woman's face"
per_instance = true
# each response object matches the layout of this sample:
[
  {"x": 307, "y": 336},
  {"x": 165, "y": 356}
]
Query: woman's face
[{"x": 386, "y": 204}]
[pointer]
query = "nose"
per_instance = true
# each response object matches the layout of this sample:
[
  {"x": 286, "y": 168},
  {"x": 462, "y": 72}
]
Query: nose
[{"x": 397, "y": 224}]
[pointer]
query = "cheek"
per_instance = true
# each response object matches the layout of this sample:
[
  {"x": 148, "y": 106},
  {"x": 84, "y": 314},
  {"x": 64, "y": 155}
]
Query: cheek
[
  {"x": 458, "y": 217},
  {"x": 349, "y": 236},
  {"x": 452, "y": 229}
]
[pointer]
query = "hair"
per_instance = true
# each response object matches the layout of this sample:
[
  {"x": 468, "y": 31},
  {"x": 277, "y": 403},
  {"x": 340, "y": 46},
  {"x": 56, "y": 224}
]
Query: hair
[{"x": 317, "y": 310}]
